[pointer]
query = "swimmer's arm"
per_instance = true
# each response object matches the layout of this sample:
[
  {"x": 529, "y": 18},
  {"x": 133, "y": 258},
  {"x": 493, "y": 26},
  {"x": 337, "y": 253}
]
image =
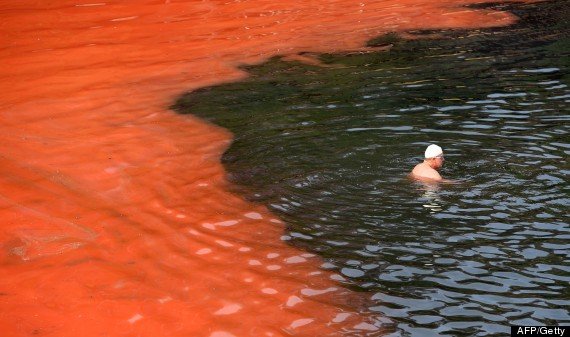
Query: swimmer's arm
[
  {"x": 450, "y": 181},
  {"x": 428, "y": 177}
]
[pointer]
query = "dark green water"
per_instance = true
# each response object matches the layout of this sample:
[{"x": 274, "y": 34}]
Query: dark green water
[{"x": 328, "y": 150}]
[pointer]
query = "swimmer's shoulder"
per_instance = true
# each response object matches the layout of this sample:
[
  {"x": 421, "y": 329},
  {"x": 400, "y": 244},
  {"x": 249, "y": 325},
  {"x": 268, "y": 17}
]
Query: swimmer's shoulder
[
  {"x": 424, "y": 172},
  {"x": 418, "y": 168}
]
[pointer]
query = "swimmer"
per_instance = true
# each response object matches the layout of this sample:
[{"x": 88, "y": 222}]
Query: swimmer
[{"x": 427, "y": 171}]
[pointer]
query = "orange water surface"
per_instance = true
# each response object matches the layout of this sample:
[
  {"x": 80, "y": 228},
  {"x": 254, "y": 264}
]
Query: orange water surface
[{"x": 115, "y": 215}]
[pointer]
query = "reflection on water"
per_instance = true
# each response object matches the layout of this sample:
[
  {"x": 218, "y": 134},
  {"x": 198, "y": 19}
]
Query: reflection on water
[
  {"x": 430, "y": 195},
  {"x": 327, "y": 148}
]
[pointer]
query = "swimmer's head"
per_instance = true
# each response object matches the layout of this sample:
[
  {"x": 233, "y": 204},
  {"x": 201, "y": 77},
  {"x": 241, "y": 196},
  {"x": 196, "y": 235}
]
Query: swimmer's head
[
  {"x": 434, "y": 156},
  {"x": 433, "y": 151}
]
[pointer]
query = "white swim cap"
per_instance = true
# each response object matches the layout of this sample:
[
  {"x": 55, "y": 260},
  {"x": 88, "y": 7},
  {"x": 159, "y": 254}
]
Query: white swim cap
[{"x": 433, "y": 151}]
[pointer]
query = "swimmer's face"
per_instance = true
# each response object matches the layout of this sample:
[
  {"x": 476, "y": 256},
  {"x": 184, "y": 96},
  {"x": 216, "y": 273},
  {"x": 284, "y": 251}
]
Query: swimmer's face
[{"x": 438, "y": 162}]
